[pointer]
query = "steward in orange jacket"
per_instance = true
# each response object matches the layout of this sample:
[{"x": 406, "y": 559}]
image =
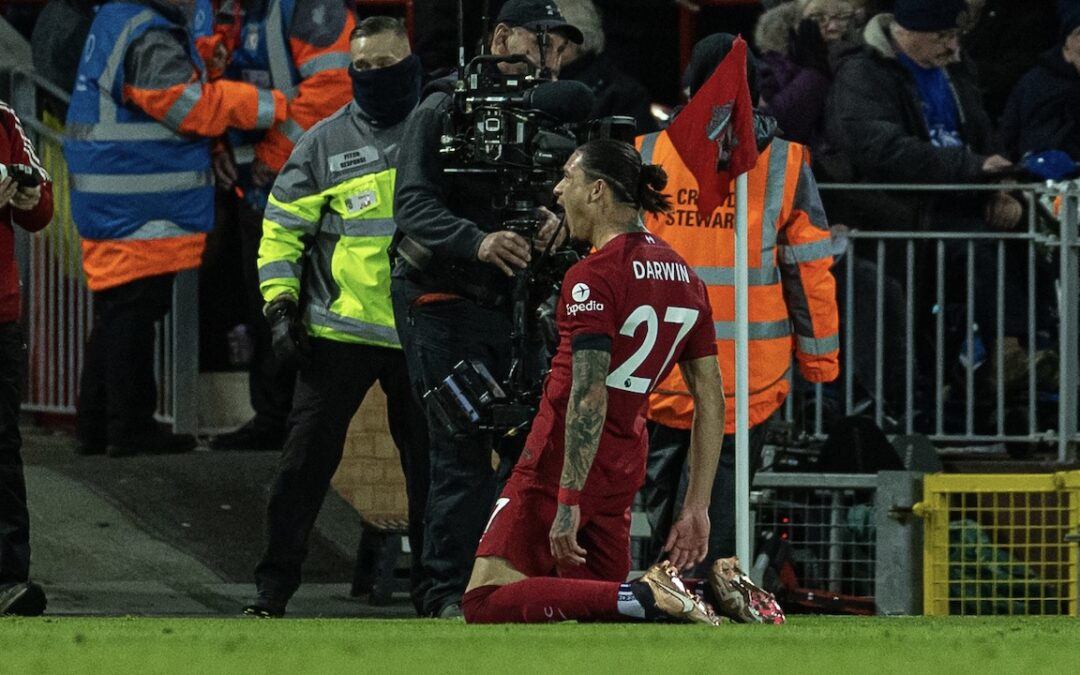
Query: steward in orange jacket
[
  {"x": 142, "y": 197},
  {"x": 792, "y": 299},
  {"x": 138, "y": 149},
  {"x": 792, "y": 294}
]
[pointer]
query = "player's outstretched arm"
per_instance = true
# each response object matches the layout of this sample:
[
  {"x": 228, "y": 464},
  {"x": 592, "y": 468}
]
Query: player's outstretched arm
[
  {"x": 689, "y": 539},
  {"x": 585, "y": 415}
]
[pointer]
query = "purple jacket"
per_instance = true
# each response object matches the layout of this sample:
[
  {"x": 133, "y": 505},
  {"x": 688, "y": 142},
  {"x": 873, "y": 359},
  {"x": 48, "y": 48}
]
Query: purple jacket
[{"x": 795, "y": 95}]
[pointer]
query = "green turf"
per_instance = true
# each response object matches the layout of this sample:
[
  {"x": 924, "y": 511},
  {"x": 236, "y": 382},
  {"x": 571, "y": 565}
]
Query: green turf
[{"x": 910, "y": 645}]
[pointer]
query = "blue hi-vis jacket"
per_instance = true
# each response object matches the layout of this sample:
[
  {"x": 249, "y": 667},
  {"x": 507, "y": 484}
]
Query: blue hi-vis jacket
[{"x": 132, "y": 177}]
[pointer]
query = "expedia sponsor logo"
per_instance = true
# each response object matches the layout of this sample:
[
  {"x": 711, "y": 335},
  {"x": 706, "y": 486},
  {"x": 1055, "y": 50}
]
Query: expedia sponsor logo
[{"x": 590, "y": 306}]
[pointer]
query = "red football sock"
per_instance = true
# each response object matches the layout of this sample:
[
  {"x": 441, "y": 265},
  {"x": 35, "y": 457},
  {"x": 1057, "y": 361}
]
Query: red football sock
[{"x": 544, "y": 599}]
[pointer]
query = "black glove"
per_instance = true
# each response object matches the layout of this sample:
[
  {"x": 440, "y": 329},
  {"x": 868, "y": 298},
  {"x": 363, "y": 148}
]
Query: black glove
[
  {"x": 808, "y": 48},
  {"x": 288, "y": 335}
]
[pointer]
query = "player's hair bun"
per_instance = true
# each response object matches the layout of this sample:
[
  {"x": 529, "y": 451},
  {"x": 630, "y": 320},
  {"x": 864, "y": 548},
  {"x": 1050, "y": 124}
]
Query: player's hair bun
[
  {"x": 653, "y": 179},
  {"x": 654, "y": 176}
]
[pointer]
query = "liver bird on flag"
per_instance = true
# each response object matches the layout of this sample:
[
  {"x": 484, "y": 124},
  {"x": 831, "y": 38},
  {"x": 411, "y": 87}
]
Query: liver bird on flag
[{"x": 714, "y": 133}]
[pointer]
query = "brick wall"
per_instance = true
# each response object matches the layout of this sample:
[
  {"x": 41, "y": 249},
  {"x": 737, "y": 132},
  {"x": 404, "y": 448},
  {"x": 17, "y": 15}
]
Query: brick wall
[{"x": 370, "y": 475}]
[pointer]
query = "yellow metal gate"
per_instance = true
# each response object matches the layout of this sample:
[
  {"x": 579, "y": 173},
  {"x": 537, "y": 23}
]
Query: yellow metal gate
[{"x": 1000, "y": 543}]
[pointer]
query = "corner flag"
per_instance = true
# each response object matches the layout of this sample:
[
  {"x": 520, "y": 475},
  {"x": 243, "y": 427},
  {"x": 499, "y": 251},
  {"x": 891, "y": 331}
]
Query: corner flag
[{"x": 714, "y": 133}]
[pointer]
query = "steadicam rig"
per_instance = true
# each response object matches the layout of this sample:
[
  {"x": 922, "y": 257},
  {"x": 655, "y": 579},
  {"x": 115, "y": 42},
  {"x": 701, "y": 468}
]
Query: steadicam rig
[
  {"x": 512, "y": 121},
  {"x": 520, "y": 128}
]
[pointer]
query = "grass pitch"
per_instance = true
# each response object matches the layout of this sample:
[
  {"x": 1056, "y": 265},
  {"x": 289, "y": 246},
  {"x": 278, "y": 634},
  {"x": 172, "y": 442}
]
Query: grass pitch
[{"x": 834, "y": 645}]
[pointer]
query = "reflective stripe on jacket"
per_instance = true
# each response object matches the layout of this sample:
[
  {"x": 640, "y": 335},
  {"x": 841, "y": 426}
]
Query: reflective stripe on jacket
[
  {"x": 132, "y": 177},
  {"x": 330, "y": 220},
  {"x": 270, "y": 53},
  {"x": 792, "y": 303}
]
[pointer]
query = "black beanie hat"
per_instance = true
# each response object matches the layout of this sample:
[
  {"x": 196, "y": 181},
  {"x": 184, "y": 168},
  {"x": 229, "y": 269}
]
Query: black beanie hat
[
  {"x": 929, "y": 16},
  {"x": 1069, "y": 13},
  {"x": 707, "y": 55}
]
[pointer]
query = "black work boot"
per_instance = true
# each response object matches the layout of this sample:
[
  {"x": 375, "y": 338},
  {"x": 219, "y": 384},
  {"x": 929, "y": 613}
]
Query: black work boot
[{"x": 22, "y": 599}]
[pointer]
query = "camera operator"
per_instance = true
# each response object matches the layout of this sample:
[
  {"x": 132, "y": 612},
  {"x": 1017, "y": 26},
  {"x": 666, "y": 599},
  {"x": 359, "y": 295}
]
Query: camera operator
[{"x": 451, "y": 295}]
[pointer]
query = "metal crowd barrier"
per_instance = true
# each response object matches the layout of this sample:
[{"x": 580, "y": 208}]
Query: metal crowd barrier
[
  {"x": 839, "y": 543},
  {"x": 58, "y": 308},
  {"x": 962, "y": 409}
]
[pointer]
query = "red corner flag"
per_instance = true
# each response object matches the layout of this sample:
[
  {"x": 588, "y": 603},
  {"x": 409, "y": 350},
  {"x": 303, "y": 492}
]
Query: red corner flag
[{"x": 714, "y": 133}]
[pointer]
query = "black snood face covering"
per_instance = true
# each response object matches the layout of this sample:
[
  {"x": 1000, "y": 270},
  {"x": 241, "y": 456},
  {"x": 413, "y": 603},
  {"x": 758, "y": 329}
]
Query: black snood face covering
[{"x": 388, "y": 94}]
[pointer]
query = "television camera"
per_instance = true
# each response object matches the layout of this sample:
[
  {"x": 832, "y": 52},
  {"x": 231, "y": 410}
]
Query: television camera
[{"x": 520, "y": 129}]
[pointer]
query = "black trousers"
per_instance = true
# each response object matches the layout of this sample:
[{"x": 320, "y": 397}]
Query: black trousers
[
  {"x": 665, "y": 487},
  {"x": 328, "y": 393},
  {"x": 117, "y": 391},
  {"x": 270, "y": 382},
  {"x": 14, "y": 517},
  {"x": 436, "y": 337}
]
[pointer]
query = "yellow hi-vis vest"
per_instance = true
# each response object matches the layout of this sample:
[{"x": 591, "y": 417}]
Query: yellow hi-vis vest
[{"x": 329, "y": 222}]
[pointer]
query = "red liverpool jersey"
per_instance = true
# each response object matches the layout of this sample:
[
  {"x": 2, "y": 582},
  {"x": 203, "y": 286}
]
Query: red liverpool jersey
[{"x": 642, "y": 295}]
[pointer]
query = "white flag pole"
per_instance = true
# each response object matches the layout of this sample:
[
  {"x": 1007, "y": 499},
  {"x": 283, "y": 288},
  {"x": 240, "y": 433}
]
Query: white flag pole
[{"x": 742, "y": 380}]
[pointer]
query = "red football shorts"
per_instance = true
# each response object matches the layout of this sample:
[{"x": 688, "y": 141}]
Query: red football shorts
[{"x": 521, "y": 521}]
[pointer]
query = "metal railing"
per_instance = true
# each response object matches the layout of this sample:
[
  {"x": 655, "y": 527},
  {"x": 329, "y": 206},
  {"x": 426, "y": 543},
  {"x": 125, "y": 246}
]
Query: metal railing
[
  {"x": 58, "y": 307},
  {"x": 957, "y": 397}
]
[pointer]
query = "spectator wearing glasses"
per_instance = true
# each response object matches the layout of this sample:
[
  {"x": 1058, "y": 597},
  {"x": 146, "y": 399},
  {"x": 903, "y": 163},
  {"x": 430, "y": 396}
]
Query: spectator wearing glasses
[
  {"x": 906, "y": 108},
  {"x": 796, "y": 39}
]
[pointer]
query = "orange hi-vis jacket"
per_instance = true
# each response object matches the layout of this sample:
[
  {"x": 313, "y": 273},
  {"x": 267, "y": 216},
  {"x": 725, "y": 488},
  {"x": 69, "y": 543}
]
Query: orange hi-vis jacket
[{"x": 792, "y": 294}]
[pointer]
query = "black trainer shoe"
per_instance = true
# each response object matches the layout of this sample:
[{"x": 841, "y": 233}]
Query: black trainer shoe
[
  {"x": 160, "y": 443},
  {"x": 265, "y": 607},
  {"x": 22, "y": 599},
  {"x": 248, "y": 437}
]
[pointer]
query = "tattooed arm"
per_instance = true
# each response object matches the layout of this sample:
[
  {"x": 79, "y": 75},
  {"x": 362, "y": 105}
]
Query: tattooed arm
[
  {"x": 585, "y": 415},
  {"x": 689, "y": 539}
]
